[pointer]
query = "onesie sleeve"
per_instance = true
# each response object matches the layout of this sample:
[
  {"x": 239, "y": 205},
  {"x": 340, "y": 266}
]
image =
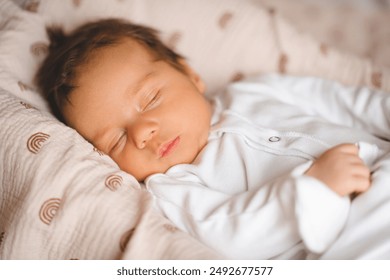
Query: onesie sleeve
[
  {"x": 320, "y": 212},
  {"x": 362, "y": 107},
  {"x": 258, "y": 224}
]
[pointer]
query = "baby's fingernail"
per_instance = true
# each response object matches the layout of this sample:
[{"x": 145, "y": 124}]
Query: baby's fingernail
[{"x": 357, "y": 145}]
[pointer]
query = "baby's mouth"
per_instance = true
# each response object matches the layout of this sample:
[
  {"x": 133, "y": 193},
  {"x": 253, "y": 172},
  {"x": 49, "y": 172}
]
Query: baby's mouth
[{"x": 167, "y": 148}]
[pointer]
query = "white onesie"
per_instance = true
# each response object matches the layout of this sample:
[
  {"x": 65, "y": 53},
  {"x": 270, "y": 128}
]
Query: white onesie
[{"x": 246, "y": 195}]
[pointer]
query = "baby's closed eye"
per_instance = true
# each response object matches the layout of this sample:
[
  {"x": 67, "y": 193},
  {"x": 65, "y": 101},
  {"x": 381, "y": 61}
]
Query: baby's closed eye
[
  {"x": 119, "y": 143},
  {"x": 151, "y": 99}
]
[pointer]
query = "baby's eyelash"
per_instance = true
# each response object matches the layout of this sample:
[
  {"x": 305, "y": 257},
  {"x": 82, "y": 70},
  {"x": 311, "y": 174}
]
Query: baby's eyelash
[
  {"x": 153, "y": 99},
  {"x": 117, "y": 143}
]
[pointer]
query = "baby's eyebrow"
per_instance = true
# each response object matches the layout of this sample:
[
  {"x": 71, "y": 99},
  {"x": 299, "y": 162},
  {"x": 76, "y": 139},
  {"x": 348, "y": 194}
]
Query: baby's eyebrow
[{"x": 140, "y": 84}]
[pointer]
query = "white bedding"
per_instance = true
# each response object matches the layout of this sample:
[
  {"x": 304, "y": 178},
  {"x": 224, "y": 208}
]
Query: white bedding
[{"x": 62, "y": 199}]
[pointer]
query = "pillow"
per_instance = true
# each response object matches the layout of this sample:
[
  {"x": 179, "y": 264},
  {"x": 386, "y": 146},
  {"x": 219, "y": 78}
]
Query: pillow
[
  {"x": 22, "y": 37},
  {"x": 63, "y": 199}
]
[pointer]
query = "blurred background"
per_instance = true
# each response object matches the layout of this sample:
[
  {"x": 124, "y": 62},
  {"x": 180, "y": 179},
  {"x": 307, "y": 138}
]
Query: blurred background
[{"x": 358, "y": 26}]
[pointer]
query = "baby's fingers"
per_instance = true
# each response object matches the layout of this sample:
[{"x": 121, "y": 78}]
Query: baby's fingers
[
  {"x": 362, "y": 170},
  {"x": 362, "y": 179},
  {"x": 348, "y": 148},
  {"x": 362, "y": 184}
]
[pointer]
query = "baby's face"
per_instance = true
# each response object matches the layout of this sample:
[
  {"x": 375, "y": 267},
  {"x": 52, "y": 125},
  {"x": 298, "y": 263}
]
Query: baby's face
[{"x": 145, "y": 114}]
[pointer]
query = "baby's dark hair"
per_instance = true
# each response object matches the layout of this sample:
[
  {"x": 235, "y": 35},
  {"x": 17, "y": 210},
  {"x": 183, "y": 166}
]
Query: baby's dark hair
[{"x": 67, "y": 52}]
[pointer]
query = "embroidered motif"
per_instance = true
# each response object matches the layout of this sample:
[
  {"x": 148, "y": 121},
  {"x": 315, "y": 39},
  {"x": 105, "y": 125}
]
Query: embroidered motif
[
  {"x": 35, "y": 142},
  {"x": 113, "y": 182},
  {"x": 49, "y": 209}
]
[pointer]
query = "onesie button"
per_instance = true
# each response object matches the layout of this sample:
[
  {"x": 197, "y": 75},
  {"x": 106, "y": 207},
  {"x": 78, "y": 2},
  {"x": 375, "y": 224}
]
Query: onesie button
[{"x": 274, "y": 139}]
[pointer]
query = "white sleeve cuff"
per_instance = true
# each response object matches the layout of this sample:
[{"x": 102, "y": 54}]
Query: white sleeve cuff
[{"x": 321, "y": 213}]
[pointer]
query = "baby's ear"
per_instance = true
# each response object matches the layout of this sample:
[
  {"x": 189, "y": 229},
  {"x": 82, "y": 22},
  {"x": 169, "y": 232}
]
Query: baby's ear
[{"x": 195, "y": 78}]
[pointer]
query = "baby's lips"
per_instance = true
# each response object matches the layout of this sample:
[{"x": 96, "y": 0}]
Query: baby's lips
[{"x": 167, "y": 148}]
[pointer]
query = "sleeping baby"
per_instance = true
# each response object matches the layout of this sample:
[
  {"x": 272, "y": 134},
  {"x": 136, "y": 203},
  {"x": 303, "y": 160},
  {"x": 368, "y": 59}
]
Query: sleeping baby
[{"x": 272, "y": 167}]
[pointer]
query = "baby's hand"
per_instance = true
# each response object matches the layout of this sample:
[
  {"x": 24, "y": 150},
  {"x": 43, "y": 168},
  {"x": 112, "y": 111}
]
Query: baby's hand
[{"x": 342, "y": 170}]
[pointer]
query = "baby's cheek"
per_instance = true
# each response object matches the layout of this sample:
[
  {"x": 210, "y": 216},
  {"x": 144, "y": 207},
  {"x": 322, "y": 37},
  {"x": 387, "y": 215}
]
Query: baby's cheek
[{"x": 137, "y": 166}]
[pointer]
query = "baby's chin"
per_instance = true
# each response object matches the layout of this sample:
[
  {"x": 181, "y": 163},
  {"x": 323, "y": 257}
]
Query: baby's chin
[
  {"x": 183, "y": 159},
  {"x": 146, "y": 172}
]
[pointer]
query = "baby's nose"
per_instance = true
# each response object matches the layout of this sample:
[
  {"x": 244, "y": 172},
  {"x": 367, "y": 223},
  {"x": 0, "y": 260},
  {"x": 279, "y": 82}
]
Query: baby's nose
[{"x": 143, "y": 133}]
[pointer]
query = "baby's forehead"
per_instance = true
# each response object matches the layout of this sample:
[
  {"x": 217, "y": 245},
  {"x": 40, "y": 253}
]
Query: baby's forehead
[
  {"x": 114, "y": 68},
  {"x": 125, "y": 47}
]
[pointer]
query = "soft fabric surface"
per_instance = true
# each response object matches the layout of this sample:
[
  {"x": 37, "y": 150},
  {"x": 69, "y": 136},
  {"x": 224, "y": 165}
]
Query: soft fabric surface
[
  {"x": 63, "y": 199},
  {"x": 251, "y": 177},
  {"x": 60, "y": 198},
  {"x": 361, "y": 27}
]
